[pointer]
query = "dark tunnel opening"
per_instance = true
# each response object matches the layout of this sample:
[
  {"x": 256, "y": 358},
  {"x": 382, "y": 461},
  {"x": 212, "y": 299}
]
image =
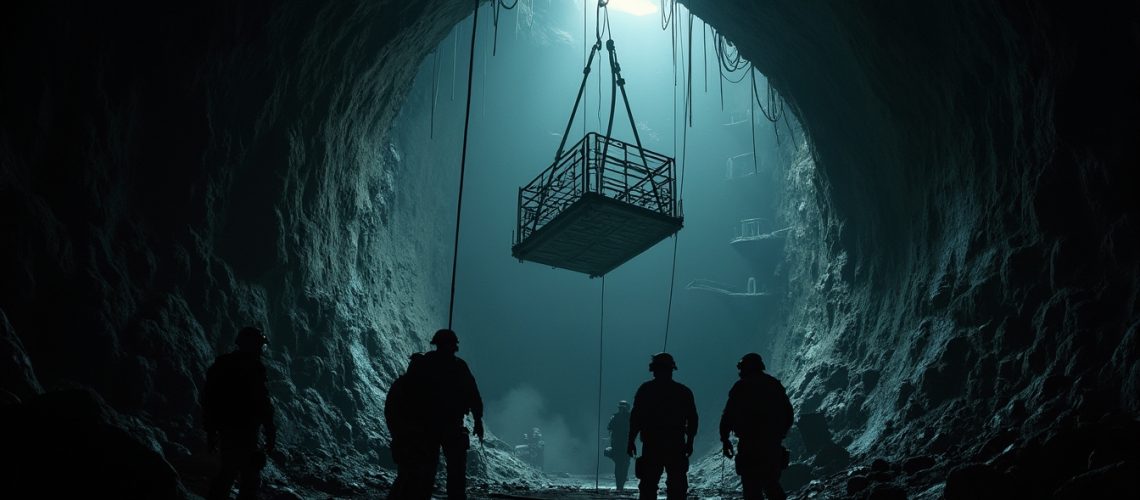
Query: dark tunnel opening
[{"x": 958, "y": 316}]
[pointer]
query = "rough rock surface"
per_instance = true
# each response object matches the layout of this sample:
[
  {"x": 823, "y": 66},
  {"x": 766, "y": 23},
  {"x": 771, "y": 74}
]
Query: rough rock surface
[
  {"x": 969, "y": 239},
  {"x": 961, "y": 277}
]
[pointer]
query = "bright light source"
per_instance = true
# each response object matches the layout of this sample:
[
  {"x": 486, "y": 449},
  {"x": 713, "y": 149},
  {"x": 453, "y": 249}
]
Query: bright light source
[{"x": 635, "y": 7}]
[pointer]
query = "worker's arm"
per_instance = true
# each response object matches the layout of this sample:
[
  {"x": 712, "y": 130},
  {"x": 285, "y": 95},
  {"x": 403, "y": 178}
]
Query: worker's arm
[
  {"x": 692, "y": 422},
  {"x": 474, "y": 401},
  {"x": 728, "y": 416}
]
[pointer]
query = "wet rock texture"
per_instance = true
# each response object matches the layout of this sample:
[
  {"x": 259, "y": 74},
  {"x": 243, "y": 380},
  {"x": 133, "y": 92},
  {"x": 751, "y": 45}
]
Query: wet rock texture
[
  {"x": 961, "y": 279},
  {"x": 963, "y": 275},
  {"x": 169, "y": 173}
]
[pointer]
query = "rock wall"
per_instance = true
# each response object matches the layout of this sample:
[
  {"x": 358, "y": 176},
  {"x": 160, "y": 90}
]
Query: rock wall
[
  {"x": 169, "y": 173},
  {"x": 963, "y": 274}
]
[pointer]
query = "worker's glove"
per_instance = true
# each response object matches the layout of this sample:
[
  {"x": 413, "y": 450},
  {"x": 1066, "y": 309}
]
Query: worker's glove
[
  {"x": 631, "y": 450},
  {"x": 212, "y": 441},
  {"x": 479, "y": 428},
  {"x": 726, "y": 448},
  {"x": 689, "y": 448}
]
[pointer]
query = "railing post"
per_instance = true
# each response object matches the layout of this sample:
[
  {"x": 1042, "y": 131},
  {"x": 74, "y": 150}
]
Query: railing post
[
  {"x": 584, "y": 152},
  {"x": 601, "y": 170},
  {"x": 518, "y": 217},
  {"x": 625, "y": 174},
  {"x": 673, "y": 185}
]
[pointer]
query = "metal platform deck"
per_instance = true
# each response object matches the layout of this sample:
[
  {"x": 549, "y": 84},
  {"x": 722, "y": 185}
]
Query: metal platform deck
[{"x": 595, "y": 235}]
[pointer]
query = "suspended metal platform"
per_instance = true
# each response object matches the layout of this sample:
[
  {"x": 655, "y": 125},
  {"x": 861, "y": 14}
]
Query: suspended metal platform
[
  {"x": 601, "y": 203},
  {"x": 752, "y": 231},
  {"x": 704, "y": 285}
]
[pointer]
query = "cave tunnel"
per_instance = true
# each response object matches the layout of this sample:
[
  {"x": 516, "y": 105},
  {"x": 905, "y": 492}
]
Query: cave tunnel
[{"x": 918, "y": 213}]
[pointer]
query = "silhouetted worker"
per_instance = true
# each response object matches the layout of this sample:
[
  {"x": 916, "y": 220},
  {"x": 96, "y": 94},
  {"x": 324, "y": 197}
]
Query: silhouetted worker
[
  {"x": 619, "y": 433},
  {"x": 665, "y": 416},
  {"x": 450, "y": 393},
  {"x": 235, "y": 407},
  {"x": 404, "y": 412},
  {"x": 759, "y": 413}
]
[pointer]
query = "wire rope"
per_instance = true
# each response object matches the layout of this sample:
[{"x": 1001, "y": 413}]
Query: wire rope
[
  {"x": 689, "y": 84},
  {"x": 463, "y": 166},
  {"x": 771, "y": 113},
  {"x": 669, "y": 308},
  {"x": 601, "y": 352},
  {"x": 705, "y": 51},
  {"x": 752, "y": 125}
]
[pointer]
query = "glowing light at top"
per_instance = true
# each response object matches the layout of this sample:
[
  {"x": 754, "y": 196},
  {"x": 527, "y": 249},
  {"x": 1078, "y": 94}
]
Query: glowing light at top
[{"x": 634, "y": 7}]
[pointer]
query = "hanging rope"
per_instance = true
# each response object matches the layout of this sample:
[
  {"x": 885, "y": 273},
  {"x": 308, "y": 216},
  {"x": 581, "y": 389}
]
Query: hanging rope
[
  {"x": 495, "y": 10},
  {"x": 689, "y": 84},
  {"x": 720, "y": 81},
  {"x": 669, "y": 308},
  {"x": 666, "y": 14},
  {"x": 705, "y": 52},
  {"x": 598, "y": 35},
  {"x": 752, "y": 125},
  {"x": 601, "y": 351},
  {"x": 687, "y": 121},
  {"x": 463, "y": 165},
  {"x": 771, "y": 113}
]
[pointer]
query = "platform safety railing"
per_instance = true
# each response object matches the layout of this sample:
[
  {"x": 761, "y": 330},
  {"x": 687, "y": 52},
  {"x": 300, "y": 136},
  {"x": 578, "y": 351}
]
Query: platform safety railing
[{"x": 627, "y": 174}]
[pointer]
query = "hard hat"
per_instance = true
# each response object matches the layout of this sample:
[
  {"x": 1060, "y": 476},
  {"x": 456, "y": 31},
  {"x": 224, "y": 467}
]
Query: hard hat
[
  {"x": 444, "y": 337},
  {"x": 751, "y": 362},
  {"x": 251, "y": 337},
  {"x": 662, "y": 360},
  {"x": 623, "y": 404}
]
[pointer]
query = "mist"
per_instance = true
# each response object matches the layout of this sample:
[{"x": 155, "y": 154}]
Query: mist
[{"x": 524, "y": 407}]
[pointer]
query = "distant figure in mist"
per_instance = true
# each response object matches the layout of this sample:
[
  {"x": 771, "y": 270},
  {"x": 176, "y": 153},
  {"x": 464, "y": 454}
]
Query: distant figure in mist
[
  {"x": 619, "y": 433},
  {"x": 759, "y": 413},
  {"x": 448, "y": 392},
  {"x": 235, "y": 407},
  {"x": 404, "y": 411},
  {"x": 665, "y": 416},
  {"x": 533, "y": 449}
]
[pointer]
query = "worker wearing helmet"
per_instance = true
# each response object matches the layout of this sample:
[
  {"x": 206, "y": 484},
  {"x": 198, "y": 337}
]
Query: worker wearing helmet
[
  {"x": 235, "y": 406},
  {"x": 759, "y": 413},
  {"x": 449, "y": 394},
  {"x": 665, "y": 416},
  {"x": 619, "y": 433}
]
